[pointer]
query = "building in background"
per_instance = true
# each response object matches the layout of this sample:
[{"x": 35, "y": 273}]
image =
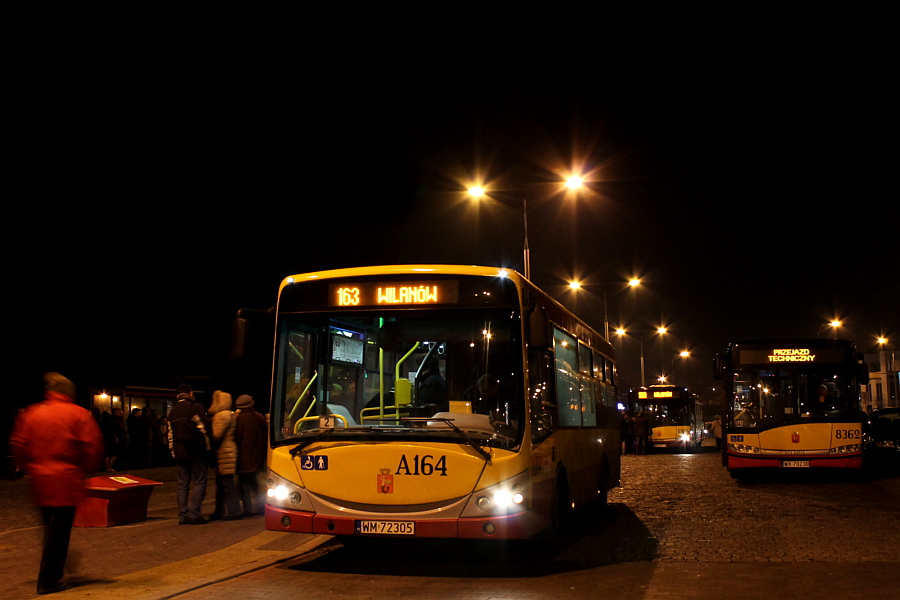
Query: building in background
[{"x": 883, "y": 389}]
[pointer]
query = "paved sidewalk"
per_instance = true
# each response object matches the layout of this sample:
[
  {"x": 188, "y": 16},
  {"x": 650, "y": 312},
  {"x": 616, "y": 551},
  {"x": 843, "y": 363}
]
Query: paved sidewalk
[{"x": 151, "y": 560}]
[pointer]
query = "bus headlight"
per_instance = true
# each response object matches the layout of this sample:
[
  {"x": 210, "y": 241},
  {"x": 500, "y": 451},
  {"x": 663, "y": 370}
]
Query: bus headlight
[
  {"x": 743, "y": 448},
  {"x": 685, "y": 437},
  {"x": 279, "y": 492},
  {"x": 852, "y": 448},
  {"x": 283, "y": 493},
  {"x": 504, "y": 498}
]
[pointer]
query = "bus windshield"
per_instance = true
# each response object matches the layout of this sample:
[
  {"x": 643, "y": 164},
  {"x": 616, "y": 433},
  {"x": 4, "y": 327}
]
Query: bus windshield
[
  {"x": 765, "y": 397},
  {"x": 662, "y": 415},
  {"x": 436, "y": 375}
]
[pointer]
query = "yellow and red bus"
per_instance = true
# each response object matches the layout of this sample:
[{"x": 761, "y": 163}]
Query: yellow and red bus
[
  {"x": 674, "y": 413},
  {"x": 435, "y": 401},
  {"x": 792, "y": 404}
]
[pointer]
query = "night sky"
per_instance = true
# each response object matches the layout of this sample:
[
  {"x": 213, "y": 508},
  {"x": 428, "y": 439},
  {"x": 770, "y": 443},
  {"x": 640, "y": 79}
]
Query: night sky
[{"x": 753, "y": 192}]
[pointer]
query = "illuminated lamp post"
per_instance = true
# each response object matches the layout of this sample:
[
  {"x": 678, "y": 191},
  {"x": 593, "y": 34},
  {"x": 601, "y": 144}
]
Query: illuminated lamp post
[
  {"x": 661, "y": 331},
  {"x": 835, "y": 324},
  {"x": 573, "y": 183},
  {"x": 620, "y": 331},
  {"x": 576, "y": 285},
  {"x": 684, "y": 354}
]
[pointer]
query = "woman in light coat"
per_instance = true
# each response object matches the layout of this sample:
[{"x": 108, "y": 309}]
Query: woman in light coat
[{"x": 228, "y": 505}]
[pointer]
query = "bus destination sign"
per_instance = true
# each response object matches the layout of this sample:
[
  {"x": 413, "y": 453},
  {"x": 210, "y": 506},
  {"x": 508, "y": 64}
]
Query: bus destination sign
[
  {"x": 407, "y": 293},
  {"x": 790, "y": 355},
  {"x": 643, "y": 395}
]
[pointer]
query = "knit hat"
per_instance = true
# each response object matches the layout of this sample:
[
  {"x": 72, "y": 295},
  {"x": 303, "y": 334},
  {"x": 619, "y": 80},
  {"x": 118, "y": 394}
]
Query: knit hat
[
  {"x": 244, "y": 401},
  {"x": 183, "y": 391}
]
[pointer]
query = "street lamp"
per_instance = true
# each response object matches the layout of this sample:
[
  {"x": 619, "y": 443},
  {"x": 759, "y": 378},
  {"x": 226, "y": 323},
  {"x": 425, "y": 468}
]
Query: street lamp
[
  {"x": 620, "y": 331},
  {"x": 684, "y": 354},
  {"x": 834, "y": 324},
  {"x": 576, "y": 285},
  {"x": 573, "y": 183}
]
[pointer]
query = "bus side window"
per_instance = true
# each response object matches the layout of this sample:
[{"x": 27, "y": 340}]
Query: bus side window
[
  {"x": 568, "y": 384},
  {"x": 542, "y": 395}
]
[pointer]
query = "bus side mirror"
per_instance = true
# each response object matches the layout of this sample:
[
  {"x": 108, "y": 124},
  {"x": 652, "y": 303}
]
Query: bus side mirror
[
  {"x": 539, "y": 329},
  {"x": 251, "y": 332},
  {"x": 862, "y": 369}
]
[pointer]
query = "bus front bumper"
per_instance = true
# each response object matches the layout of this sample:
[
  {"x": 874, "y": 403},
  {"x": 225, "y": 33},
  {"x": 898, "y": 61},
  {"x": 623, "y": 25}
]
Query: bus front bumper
[
  {"x": 669, "y": 443},
  {"x": 510, "y": 527}
]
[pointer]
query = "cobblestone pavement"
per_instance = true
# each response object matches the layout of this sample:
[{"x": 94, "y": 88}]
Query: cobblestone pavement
[{"x": 679, "y": 527}]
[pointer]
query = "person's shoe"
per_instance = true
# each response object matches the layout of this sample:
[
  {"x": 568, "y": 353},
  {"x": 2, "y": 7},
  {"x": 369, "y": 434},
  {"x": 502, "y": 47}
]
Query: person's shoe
[
  {"x": 50, "y": 589},
  {"x": 200, "y": 521},
  {"x": 215, "y": 517},
  {"x": 248, "y": 514},
  {"x": 233, "y": 518}
]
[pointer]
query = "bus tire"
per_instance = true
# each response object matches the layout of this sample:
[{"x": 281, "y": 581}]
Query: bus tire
[
  {"x": 561, "y": 495},
  {"x": 547, "y": 542}
]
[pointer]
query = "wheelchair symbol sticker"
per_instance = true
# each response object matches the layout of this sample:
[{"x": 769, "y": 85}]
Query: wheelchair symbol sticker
[{"x": 313, "y": 462}]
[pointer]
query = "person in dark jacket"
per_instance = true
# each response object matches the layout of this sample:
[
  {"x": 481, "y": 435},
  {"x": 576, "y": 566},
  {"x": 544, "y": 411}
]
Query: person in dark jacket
[
  {"x": 111, "y": 443},
  {"x": 57, "y": 443},
  {"x": 189, "y": 441},
  {"x": 251, "y": 436},
  {"x": 120, "y": 460},
  {"x": 627, "y": 424},
  {"x": 138, "y": 439},
  {"x": 642, "y": 432},
  {"x": 432, "y": 388}
]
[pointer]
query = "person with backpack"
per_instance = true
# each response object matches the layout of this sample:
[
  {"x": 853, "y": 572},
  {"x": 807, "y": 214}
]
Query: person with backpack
[{"x": 189, "y": 442}]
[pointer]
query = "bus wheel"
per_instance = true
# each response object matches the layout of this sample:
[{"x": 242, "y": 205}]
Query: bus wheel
[{"x": 547, "y": 542}]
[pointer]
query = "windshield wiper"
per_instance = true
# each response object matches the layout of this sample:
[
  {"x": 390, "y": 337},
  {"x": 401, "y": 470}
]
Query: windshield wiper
[
  {"x": 484, "y": 454},
  {"x": 298, "y": 449}
]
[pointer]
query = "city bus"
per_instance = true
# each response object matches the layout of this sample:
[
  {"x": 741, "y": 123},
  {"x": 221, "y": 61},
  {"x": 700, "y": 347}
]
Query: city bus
[
  {"x": 791, "y": 404},
  {"x": 435, "y": 401},
  {"x": 674, "y": 413}
]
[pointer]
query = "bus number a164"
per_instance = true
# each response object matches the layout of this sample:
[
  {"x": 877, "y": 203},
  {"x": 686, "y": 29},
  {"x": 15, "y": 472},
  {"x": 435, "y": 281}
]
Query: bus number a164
[{"x": 425, "y": 465}]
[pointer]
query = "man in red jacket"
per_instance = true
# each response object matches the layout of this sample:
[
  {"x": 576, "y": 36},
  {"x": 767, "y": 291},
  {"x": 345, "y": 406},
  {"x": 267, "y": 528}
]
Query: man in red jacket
[{"x": 57, "y": 443}]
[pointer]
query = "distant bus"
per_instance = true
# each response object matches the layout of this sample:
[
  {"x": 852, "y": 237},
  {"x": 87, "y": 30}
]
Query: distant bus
[
  {"x": 674, "y": 413},
  {"x": 435, "y": 401},
  {"x": 792, "y": 404}
]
